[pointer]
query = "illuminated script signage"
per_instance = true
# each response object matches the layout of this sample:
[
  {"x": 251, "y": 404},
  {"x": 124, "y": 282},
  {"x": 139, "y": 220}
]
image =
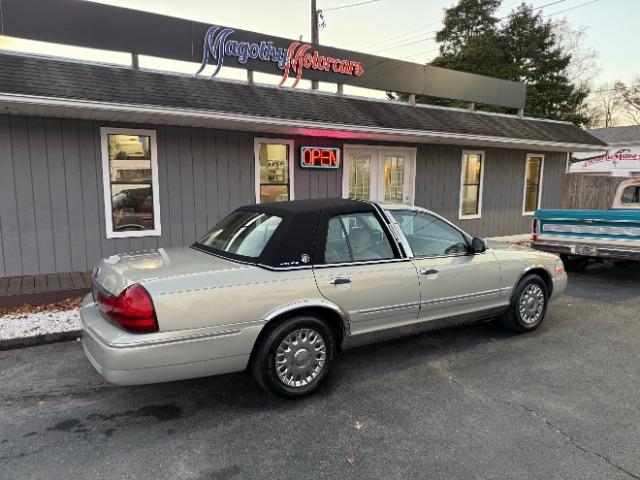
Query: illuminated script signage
[
  {"x": 293, "y": 60},
  {"x": 319, "y": 157}
]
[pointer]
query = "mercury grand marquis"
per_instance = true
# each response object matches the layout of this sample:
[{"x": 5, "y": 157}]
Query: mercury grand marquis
[{"x": 280, "y": 288}]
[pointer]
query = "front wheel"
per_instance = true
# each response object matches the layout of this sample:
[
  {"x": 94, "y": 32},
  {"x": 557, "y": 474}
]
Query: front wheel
[
  {"x": 294, "y": 357},
  {"x": 528, "y": 305}
]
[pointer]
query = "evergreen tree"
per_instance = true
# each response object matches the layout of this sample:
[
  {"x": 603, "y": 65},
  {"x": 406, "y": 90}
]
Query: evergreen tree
[
  {"x": 522, "y": 49},
  {"x": 535, "y": 58}
]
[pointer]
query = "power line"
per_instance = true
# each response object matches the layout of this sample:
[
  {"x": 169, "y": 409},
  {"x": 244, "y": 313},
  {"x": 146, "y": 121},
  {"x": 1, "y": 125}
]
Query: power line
[
  {"x": 400, "y": 35},
  {"x": 573, "y": 8},
  {"x": 424, "y": 52},
  {"x": 381, "y": 43},
  {"x": 349, "y": 6},
  {"x": 434, "y": 37}
]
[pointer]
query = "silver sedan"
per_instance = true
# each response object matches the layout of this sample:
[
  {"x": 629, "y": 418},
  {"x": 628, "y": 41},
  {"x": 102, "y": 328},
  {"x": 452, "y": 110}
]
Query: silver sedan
[{"x": 281, "y": 288}]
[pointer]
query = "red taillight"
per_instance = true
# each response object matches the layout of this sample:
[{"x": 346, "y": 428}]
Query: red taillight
[
  {"x": 132, "y": 309},
  {"x": 534, "y": 235}
]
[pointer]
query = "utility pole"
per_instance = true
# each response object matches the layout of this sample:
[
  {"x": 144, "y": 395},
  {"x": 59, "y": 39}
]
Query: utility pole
[{"x": 314, "y": 34}]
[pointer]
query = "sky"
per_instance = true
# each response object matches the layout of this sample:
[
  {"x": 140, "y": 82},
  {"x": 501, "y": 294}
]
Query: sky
[{"x": 393, "y": 28}]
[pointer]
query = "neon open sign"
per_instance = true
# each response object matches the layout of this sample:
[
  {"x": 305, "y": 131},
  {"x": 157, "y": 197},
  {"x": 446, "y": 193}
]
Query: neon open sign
[{"x": 320, "y": 157}]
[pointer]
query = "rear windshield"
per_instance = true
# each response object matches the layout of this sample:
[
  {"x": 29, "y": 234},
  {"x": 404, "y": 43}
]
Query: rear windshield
[{"x": 241, "y": 233}]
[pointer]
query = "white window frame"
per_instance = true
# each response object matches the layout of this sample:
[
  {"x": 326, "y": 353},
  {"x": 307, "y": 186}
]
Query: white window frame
[
  {"x": 524, "y": 189},
  {"x": 376, "y": 174},
  {"x": 483, "y": 165},
  {"x": 106, "y": 183},
  {"x": 256, "y": 154}
]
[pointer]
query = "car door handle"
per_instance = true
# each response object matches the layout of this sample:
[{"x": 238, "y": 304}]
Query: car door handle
[
  {"x": 428, "y": 271},
  {"x": 339, "y": 280}
]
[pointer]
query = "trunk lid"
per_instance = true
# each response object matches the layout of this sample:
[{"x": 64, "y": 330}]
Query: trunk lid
[{"x": 115, "y": 273}]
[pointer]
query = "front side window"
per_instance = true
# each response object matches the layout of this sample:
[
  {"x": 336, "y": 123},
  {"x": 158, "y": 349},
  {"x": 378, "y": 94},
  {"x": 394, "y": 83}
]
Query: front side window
[
  {"x": 130, "y": 174},
  {"x": 471, "y": 184},
  {"x": 273, "y": 165},
  {"x": 631, "y": 195},
  {"x": 428, "y": 235},
  {"x": 532, "y": 183},
  {"x": 241, "y": 233},
  {"x": 356, "y": 237}
]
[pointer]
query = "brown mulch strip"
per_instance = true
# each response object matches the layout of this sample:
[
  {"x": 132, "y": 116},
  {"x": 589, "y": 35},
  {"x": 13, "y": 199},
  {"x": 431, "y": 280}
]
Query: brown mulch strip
[{"x": 67, "y": 304}]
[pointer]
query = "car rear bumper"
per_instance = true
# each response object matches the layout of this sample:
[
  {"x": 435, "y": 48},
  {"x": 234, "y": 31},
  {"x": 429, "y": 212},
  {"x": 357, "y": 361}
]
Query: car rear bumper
[
  {"x": 602, "y": 251},
  {"x": 129, "y": 359}
]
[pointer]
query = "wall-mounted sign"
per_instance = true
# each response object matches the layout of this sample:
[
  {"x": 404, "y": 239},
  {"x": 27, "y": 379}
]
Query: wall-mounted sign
[
  {"x": 126, "y": 30},
  {"x": 320, "y": 157},
  {"x": 295, "y": 59}
]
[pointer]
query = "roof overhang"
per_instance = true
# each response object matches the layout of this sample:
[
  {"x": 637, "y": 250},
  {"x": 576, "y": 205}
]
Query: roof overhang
[{"x": 152, "y": 114}]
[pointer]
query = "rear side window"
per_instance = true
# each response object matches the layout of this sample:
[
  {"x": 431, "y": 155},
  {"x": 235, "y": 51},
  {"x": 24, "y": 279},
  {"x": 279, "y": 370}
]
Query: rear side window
[
  {"x": 356, "y": 237},
  {"x": 242, "y": 233},
  {"x": 631, "y": 195},
  {"x": 428, "y": 235}
]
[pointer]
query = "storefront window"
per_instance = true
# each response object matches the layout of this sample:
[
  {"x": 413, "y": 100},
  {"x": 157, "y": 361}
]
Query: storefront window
[
  {"x": 359, "y": 177},
  {"x": 130, "y": 183},
  {"x": 394, "y": 178},
  {"x": 274, "y": 171},
  {"x": 471, "y": 184},
  {"x": 532, "y": 183}
]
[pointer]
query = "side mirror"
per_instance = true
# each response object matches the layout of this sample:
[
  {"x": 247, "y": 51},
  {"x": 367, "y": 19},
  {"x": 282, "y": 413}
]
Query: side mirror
[{"x": 478, "y": 245}]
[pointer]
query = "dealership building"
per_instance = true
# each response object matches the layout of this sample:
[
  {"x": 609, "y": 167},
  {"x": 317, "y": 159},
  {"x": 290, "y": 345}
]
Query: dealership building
[{"x": 98, "y": 159}]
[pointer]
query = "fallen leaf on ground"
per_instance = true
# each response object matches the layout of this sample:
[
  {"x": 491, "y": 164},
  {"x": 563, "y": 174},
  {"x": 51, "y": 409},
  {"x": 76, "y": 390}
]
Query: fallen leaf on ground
[
  {"x": 26, "y": 309},
  {"x": 351, "y": 459},
  {"x": 358, "y": 426}
]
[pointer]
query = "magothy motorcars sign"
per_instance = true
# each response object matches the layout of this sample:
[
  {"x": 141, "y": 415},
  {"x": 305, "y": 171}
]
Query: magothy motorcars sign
[
  {"x": 148, "y": 34},
  {"x": 219, "y": 44}
]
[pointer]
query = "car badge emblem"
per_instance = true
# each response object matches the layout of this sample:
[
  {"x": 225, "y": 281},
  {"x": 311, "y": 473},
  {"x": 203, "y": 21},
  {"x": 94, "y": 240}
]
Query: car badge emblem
[{"x": 305, "y": 258}]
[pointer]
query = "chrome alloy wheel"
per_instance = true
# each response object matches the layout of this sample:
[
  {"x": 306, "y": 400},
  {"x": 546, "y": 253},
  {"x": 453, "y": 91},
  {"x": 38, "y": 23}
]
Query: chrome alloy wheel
[
  {"x": 531, "y": 303},
  {"x": 300, "y": 357}
]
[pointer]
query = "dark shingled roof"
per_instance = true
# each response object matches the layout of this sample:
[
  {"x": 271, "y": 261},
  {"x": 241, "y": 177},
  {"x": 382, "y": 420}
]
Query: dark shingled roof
[
  {"x": 47, "y": 77},
  {"x": 615, "y": 136}
]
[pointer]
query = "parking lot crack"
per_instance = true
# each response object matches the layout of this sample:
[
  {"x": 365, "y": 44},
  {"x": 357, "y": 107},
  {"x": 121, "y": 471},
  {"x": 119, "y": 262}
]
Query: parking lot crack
[
  {"x": 551, "y": 426},
  {"x": 485, "y": 402}
]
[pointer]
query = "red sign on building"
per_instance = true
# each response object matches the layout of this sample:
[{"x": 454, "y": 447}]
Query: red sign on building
[{"x": 320, "y": 157}]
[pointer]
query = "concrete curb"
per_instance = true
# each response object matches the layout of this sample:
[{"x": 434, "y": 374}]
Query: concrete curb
[{"x": 16, "y": 343}]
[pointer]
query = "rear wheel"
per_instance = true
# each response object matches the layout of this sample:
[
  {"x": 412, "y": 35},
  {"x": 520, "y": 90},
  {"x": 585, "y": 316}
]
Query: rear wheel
[
  {"x": 528, "y": 305},
  {"x": 574, "y": 264},
  {"x": 294, "y": 357}
]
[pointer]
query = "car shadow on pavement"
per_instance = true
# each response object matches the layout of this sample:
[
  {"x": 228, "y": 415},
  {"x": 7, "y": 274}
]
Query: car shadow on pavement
[
  {"x": 352, "y": 367},
  {"x": 606, "y": 282}
]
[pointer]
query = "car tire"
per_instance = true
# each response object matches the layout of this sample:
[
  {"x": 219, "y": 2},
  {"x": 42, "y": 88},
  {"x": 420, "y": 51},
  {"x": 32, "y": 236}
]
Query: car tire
[
  {"x": 574, "y": 264},
  {"x": 528, "y": 305},
  {"x": 294, "y": 357}
]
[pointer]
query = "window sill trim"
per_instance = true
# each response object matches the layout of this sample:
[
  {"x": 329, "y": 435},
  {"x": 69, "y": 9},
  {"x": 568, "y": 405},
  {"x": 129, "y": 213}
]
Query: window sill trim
[
  {"x": 469, "y": 217},
  {"x": 134, "y": 234}
]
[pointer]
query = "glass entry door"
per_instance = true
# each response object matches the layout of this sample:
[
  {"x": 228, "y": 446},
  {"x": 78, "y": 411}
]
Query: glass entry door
[{"x": 382, "y": 174}]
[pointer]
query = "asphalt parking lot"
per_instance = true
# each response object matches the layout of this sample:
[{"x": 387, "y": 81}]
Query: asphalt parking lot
[{"x": 473, "y": 402}]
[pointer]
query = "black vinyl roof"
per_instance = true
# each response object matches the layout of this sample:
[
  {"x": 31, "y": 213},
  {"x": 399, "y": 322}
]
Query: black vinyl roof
[
  {"x": 299, "y": 207},
  {"x": 298, "y": 234},
  {"x": 73, "y": 80}
]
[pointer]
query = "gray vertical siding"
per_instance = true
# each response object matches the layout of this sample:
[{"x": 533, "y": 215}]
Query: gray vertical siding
[
  {"x": 51, "y": 192},
  {"x": 438, "y": 187},
  {"x": 52, "y": 205}
]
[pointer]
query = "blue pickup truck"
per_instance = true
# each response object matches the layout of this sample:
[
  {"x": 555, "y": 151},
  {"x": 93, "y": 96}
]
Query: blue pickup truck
[{"x": 582, "y": 235}]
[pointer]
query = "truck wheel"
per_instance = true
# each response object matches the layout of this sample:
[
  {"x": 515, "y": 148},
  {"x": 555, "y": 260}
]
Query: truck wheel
[
  {"x": 574, "y": 264},
  {"x": 294, "y": 357},
  {"x": 528, "y": 305}
]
